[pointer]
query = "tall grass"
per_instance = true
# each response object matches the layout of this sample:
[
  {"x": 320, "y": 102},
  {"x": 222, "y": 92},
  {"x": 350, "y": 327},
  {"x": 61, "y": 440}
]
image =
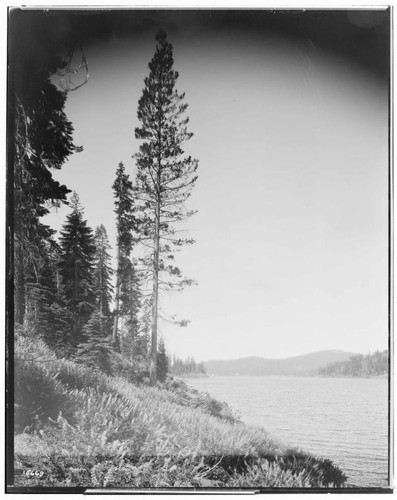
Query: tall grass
[{"x": 84, "y": 428}]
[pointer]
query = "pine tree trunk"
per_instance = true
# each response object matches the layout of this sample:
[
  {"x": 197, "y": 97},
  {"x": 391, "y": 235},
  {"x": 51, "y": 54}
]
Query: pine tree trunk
[
  {"x": 58, "y": 282},
  {"x": 133, "y": 322},
  {"x": 75, "y": 298},
  {"x": 101, "y": 309},
  {"x": 117, "y": 296},
  {"x": 153, "y": 363}
]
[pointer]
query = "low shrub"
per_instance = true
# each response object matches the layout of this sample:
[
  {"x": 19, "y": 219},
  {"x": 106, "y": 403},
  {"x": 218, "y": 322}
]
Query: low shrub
[
  {"x": 75, "y": 376},
  {"x": 38, "y": 396},
  {"x": 135, "y": 372},
  {"x": 106, "y": 471}
]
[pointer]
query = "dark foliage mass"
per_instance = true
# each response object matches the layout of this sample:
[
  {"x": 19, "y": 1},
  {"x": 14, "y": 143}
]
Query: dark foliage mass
[
  {"x": 37, "y": 397},
  {"x": 103, "y": 271},
  {"x": 42, "y": 141},
  {"x": 162, "y": 362},
  {"x": 230, "y": 471},
  {"x": 76, "y": 268}
]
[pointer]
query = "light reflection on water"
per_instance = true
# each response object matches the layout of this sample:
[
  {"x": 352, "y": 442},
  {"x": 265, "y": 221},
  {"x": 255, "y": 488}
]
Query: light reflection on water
[{"x": 345, "y": 420}]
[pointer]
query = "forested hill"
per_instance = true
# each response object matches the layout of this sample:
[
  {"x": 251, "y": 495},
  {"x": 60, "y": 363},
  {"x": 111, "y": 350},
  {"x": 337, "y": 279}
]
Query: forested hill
[
  {"x": 359, "y": 365},
  {"x": 307, "y": 364}
]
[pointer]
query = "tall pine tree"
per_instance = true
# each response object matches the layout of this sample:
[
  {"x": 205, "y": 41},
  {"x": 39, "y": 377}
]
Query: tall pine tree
[
  {"x": 77, "y": 268},
  {"x": 122, "y": 188},
  {"x": 165, "y": 178},
  {"x": 103, "y": 271}
]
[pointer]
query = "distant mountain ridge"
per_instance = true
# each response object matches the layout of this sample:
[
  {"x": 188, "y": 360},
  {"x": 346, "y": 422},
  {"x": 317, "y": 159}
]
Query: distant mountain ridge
[{"x": 305, "y": 365}]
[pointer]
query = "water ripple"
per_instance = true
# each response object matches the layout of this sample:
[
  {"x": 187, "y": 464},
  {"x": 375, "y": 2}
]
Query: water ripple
[{"x": 345, "y": 420}]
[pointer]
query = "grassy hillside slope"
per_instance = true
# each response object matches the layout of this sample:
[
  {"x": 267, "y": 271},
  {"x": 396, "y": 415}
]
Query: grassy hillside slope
[{"x": 79, "y": 427}]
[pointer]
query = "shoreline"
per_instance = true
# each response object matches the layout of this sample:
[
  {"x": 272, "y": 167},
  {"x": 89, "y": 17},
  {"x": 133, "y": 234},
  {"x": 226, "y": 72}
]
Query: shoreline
[
  {"x": 314, "y": 434},
  {"x": 113, "y": 433}
]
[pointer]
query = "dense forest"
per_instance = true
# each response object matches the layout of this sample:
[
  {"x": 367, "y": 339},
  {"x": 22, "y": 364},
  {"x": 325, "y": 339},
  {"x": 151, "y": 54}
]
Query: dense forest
[
  {"x": 66, "y": 291},
  {"x": 359, "y": 365}
]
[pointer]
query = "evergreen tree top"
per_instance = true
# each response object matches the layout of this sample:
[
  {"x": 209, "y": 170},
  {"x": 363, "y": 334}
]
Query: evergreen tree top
[
  {"x": 100, "y": 232},
  {"x": 163, "y": 60},
  {"x": 75, "y": 204},
  {"x": 122, "y": 184}
]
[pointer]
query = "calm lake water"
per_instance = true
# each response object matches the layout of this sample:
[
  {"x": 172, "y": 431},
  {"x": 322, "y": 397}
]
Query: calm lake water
[{"x": 345, "y": 420}]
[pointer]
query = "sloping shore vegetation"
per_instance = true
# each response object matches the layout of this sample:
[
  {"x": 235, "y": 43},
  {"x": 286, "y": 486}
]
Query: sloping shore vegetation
[{"x": 77, "y": 426}]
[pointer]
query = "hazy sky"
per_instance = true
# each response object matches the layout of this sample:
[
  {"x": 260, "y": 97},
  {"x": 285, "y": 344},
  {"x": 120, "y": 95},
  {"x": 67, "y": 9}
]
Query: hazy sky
[{"x": 292, "y": 139}]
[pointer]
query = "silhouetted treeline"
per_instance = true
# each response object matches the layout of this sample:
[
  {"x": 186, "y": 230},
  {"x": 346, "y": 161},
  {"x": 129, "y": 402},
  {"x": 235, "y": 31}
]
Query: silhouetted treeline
[
  {"x": 359, "y": 365},
  {"x": 188, "y": 366}
]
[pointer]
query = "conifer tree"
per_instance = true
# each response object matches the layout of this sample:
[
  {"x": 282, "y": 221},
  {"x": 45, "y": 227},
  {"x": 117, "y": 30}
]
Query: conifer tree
[
  {"x": 162, "y": 362},
  {"x": 77, "y": 268},
  {"x": 102, "y": 271},
  {"x": 130, "y": 298},
  {"x": 96, "y": 346},
  {"x": 122, "y": 188},
  {"x": 165, "y": 178},
  {"x": 46, "y": 314}
]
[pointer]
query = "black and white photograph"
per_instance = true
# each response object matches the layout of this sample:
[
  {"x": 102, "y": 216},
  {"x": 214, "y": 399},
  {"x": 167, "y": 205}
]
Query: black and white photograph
[{"x": 199, "y": 258}]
